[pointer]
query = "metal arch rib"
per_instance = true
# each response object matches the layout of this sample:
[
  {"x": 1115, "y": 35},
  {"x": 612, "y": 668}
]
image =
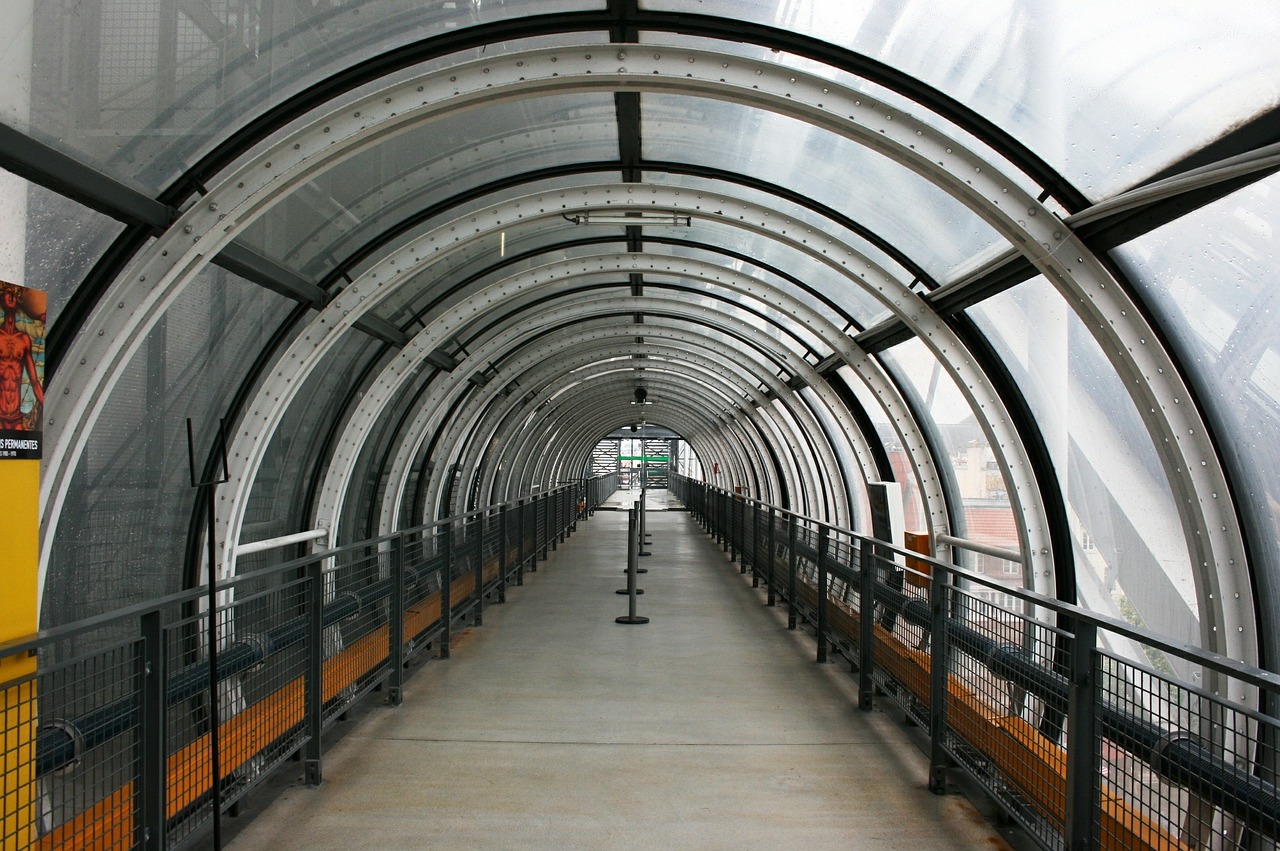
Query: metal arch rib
[
  {"x": 404, "y": 365},
  {"x": 584, "y": 361},
  {"x": 235, "y": 203},
  {"x": 559, "y": 274},
  {"x": 1209, "y": 524},
  {"x": 535, "y": 369}
]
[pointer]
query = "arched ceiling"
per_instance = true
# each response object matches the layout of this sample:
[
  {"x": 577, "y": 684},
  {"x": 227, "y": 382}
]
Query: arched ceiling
[{"x": 479, "y": 239}]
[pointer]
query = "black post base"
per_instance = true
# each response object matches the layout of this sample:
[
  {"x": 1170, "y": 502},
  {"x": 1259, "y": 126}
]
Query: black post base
[
  {"x": 631, "y": 619},
  {"x": 625, "y": 591}
]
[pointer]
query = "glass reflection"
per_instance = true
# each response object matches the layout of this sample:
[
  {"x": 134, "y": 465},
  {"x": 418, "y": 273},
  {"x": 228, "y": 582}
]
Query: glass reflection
[{"x": 1131, "y": 556}]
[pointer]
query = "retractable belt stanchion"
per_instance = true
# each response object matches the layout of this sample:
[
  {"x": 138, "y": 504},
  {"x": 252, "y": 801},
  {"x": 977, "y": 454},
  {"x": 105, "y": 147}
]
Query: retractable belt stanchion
[
  {"x": 633, "y": 549},
  {"x": 640, "y": 550},
  {"x": 635, "y": 515},
  {"x": 643, "y": 538}
]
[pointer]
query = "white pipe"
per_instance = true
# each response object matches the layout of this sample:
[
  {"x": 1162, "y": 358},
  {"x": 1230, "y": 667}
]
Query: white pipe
[
  {"x": 282, "y": 541},
  {"x": 985, "y": 549}
]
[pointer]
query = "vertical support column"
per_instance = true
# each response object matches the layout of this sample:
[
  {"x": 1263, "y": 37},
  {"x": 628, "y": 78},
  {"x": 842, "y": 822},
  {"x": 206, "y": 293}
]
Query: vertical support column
[
  {"x": 504, "y": 539},
  {"x": 446, "y": 592},
  {"x": 791, "y": 573},
  {"x": 866, "y": 623},
  {"x": 633, "y": 561},
  {"x": 735, "y": 532},
  {"x": 939, "y": 672},
  {"x": 771, "y": 599},
  {"x": 753, "y": 550},
  {"x": 824, "y": 541},
  {"x": 395, "y": 623},
  {"x": 548, "y": 525},
  {"x": 150, "y": 789},
  {"x": 723, "y": 509},
  {"x": 478, "y": 551},
  {"x": 520, "y": 553},
  {"x": 314, "y": 692},
  {"x": 1082, "y": 739}
]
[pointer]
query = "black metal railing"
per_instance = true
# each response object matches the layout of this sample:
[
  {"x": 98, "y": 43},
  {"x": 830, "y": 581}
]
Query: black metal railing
[
  {"x": 1075, "y": 722},
  {"x": 107, "y": 743}
]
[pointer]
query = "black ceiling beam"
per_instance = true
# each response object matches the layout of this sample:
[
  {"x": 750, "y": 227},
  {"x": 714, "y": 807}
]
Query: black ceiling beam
[
  {"x": 267, "y": 273},
  {"x": 621, "y": 17},
  {"x": 847, "y": 222},
  {"x": 1106, "y": 234},
  {"x": 418, "y": 218},
  {"x": 886, "y": 335},
  {"x": 627, "y": 108},
  {"x": 951, "y": 299},
  {"x": 1258, "y": 133},
  {"x": 252, "y": 266},
  {"x": 54, "y": 170},
  {"x": 623, "y": 13}
]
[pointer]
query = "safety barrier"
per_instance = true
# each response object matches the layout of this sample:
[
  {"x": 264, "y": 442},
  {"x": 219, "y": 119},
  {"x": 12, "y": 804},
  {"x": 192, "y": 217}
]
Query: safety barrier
[
  {"x": 109, "y": 747},
  {"x": 1077, "y": 724}
]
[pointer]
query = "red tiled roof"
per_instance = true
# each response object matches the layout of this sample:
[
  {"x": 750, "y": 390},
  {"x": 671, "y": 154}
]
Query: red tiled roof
[{"x": 991, "y": 525}]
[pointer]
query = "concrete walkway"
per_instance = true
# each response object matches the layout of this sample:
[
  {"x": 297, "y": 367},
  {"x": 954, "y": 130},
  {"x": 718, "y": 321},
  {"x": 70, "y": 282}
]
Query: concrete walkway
[{"x": 554, "y": 727}]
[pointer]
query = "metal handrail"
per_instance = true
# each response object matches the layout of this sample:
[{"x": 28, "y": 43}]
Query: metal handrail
[
  {"x": 66, "y": 737},
  {"x": 1173, "y": 754}
]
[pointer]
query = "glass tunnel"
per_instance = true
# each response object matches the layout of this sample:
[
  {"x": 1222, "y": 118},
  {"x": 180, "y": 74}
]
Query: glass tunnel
[{"x": 402, "y": 261}]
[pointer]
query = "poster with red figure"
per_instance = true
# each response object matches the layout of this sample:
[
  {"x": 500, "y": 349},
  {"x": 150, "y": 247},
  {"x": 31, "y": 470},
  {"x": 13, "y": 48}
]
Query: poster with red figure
[{"x": 21, "y": 371}]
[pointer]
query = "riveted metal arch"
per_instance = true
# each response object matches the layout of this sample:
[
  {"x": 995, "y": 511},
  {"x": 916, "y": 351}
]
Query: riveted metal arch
[
  {"x": 585, "y": 422},
  {"x": 403, "y": 366},
  {"x": 571, "y": 429},
  {"x": 571, "y": 367},
  {"x": 262, "y": 180},
  {"x": 661, "y": 371},
  {"x": 707, "y": 271},
  {"x": 585, "y": 386},
  {"x": 667, "y": 359},
  {"x": 706, "y": 431},
  {"x": 675, "y": 346},
  {"x": 584, "y": 428},
  {"x": 742, "y": 437},
  {"x": 1180, "y": 436},
  {"x": 574, "y": 422},
  {"x": 589, "y": 423},
  {"x": 660, "y": 303},
  {"x": 559, "y": 275}
]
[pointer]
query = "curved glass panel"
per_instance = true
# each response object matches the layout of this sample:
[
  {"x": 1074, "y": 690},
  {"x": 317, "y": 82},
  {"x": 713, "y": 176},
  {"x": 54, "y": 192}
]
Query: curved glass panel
[
  {"x": 937, "y": 231},
  {"x": 276, "y": 503},
  {"x": 316, "y": 227},
  {"x": 832, "y": 310},
  {"x": 1212, "y": 277},
  {"x": 482, "y": 264},
  {"x": 847, "y": 292},
  {"x": 913, "y": 515},
  {"x": 58, "y": 239},
  {"x": 122, "y": 535},
  {"x": 1131, "y": 557},
  {"x": 987, "y": 515},
  {"x": 818, "y": 222},
  {"x": 859, "y": 509},
  {"x": 141, "y": 89},
  {"x": 1083, "y": 84},
  {"x": 753, "y": 312},
  {"x": 895, "y": 101}
]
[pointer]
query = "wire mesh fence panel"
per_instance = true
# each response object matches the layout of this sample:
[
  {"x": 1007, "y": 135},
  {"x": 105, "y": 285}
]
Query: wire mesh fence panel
[
  {"x": 355, "y": 643},
  {"x": 1005, "y": 707},
  {"x": 1179, "y": 759},
  {"x": 423, "y": 554},
  {"x": 82, "y": 714}
]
